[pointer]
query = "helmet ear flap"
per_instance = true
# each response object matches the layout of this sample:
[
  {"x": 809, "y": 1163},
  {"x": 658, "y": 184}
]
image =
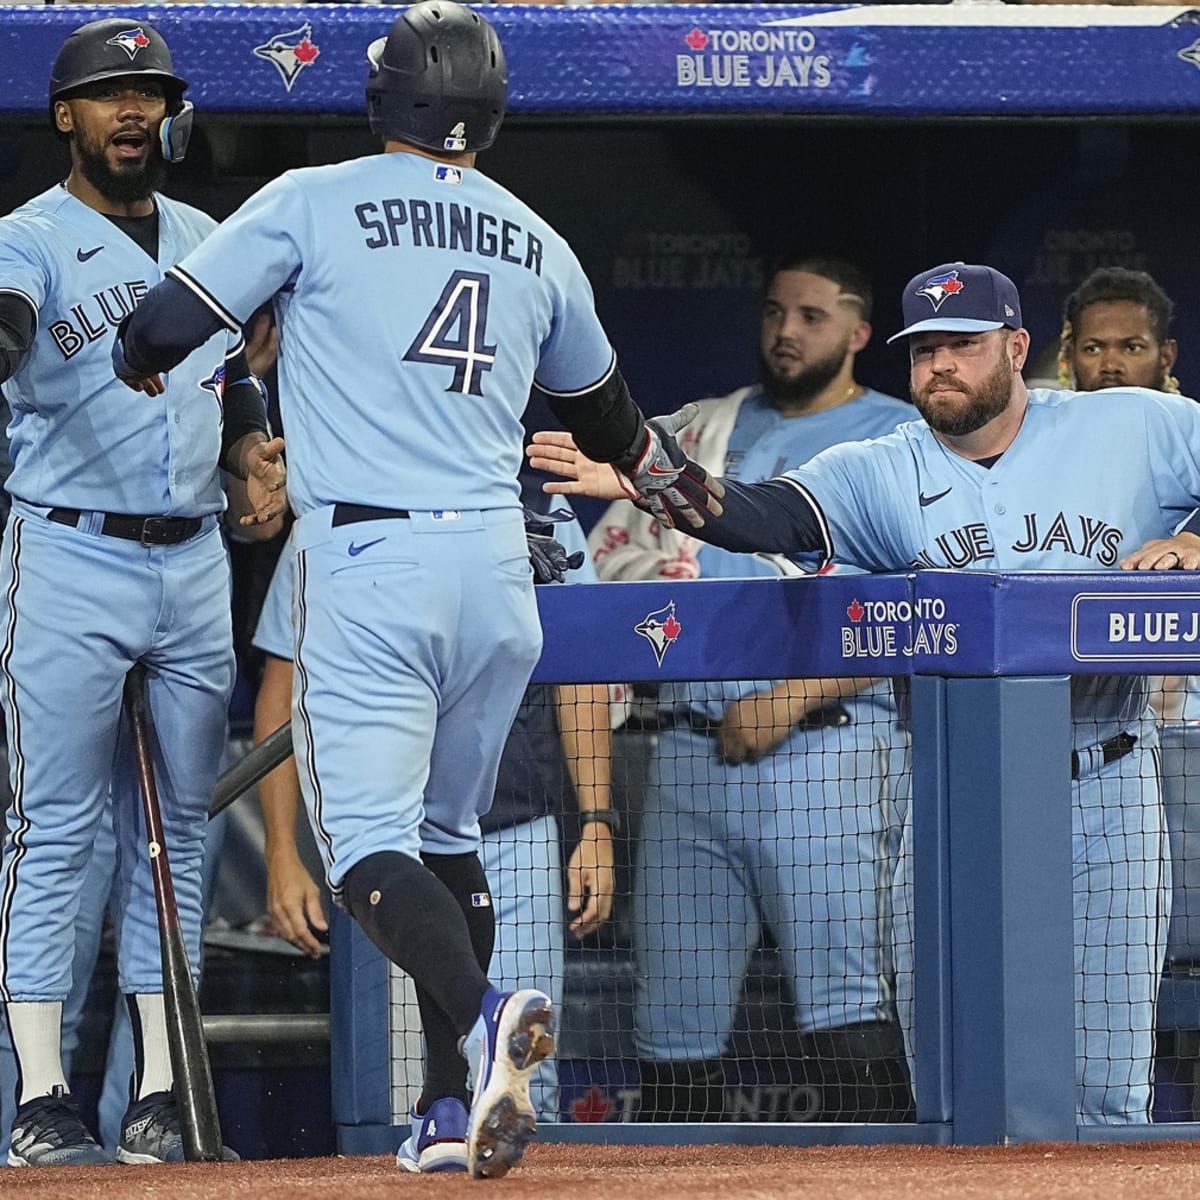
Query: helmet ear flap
[{"x": 174, "y": 132}]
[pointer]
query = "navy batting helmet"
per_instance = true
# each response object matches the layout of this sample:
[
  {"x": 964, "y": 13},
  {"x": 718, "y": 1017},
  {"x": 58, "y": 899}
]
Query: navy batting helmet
[
  {"x": 120, "y": 46},
  {"x": 438, "y": 80}
]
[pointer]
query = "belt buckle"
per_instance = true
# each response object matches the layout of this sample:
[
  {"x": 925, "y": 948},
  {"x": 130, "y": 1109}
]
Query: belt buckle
[{"x": 156, "y": 531}]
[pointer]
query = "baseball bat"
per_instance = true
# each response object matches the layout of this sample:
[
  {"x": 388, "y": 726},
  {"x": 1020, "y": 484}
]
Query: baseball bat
[
  {"x": 250, "y": 768},
  {"x": 200, "y": 1125}
]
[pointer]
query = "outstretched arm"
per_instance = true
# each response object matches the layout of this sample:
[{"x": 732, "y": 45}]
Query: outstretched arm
[{"x": 774, "y": 517}]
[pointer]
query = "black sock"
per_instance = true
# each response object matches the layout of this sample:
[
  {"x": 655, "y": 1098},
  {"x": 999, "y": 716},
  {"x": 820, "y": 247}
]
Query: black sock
[
  {"x": 414, "y": 919},
  {"x": 862, "y": 1071},
  {"x": 445, "y": 1067}
]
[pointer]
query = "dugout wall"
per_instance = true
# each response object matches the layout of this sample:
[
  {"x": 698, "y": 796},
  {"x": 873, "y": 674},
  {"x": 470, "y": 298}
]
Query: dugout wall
[{"x": 679, "y": 148}]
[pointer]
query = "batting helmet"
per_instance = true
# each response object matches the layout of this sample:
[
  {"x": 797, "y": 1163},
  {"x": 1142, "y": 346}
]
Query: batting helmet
[
  {"x": 438, "y": 80},
  {"x": 122, "y": 46}
]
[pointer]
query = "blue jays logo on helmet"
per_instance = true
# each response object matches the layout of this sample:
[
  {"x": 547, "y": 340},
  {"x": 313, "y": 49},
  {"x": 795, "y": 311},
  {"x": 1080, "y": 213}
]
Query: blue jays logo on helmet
[
  {"x": 661, "y": 629},
  {"x": 131, "y": 41},
  {"x": 937, "y": 289}
]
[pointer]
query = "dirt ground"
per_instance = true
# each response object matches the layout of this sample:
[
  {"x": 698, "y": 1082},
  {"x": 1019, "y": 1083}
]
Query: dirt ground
[{"x": 555, "y": 1172}]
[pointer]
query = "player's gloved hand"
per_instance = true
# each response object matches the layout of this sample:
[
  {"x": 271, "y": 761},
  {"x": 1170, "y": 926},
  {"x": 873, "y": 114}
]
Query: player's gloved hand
[
  {"x": 660, "y": 478},
  {"x": 547, "y": 555}
]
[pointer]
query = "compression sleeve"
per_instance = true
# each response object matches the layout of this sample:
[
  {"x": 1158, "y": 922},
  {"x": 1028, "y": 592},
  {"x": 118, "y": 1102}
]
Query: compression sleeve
[
  {"x": 18, "y": 324},
  {"x": 243, "y": 402},
  {"x": 604, "y": 421},
  {"x": 774, "y": 517},
  {"x": 166, "y": 327}
]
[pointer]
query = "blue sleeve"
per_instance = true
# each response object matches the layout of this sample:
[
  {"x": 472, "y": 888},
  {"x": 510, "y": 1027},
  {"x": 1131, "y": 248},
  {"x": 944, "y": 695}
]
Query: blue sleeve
[
  {"x": 251, "y": 255},
  {"x": 576, "y": 354},
  {"x": 1173, "y": 447},
  {"x": 774, "y": 517}
]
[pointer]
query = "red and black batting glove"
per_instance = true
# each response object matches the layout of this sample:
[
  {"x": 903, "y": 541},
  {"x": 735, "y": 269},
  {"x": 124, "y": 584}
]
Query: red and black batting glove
[{"x": 661, "y": 480}]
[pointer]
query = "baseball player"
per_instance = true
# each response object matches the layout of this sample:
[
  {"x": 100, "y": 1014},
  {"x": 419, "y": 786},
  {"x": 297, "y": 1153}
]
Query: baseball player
[
  {"x": 521, "y": 834},
  {"x": 416, "y": 628},
  {"x": 814, "y": 785},
  {"x": 999, "y": 477},
  {"x": 1117, "y": 333},
  {"x": 112, "y": 555}
]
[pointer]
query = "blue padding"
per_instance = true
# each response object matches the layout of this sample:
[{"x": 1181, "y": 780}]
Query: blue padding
[
  {"x": 951, "y": 623},
  {"x": 677, "y": 58}
]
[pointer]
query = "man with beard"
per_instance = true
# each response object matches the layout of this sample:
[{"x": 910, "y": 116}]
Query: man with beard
[
  {"x": 747, "y": 777},
  {"x": 999, "y": 477},
  {"x": 112, "y": 556},
  {"x": 1117, "y": 333}
]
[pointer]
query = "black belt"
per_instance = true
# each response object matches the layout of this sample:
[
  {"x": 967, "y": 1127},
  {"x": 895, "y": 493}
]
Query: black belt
[
  {"x": 348, "y": 514},
  {"x": 1110, "y": 751},
  {"x": 830, "y": 717},
  {"x": 150, "y": 531}
]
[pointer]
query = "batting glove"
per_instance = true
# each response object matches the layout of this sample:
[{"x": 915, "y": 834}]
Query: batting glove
[
  {"x": 661, "y": 480},
  {"x": 547, "y": 555}
]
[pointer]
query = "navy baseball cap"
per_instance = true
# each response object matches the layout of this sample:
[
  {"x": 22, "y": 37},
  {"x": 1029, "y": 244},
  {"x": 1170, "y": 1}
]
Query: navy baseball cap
[{"x": 959, "y": 298}]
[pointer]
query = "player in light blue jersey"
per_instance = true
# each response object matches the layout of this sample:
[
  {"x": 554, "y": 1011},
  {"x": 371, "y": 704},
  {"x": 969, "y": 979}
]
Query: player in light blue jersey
[
  {"x": 998, "y": 477},
  {"x": 770, "y": 802},
  {"x": 555, "y": 766},
  {"x": 112, "y": 556},
  {"x": 418, "y": 303}
]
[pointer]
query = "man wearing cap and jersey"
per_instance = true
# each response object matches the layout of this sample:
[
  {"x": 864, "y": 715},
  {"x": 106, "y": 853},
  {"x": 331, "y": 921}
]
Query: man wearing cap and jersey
[
  {"x": 997, "y": 477},
  {"x": 112, "y": 556}
]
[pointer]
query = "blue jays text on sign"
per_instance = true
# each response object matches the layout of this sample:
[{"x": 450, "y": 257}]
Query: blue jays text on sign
[{"x": 1109, "y": 627}]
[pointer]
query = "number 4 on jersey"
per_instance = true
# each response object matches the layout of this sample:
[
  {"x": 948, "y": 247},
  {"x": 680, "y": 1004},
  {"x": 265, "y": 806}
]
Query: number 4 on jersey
[{"x": 455, "y": 332}]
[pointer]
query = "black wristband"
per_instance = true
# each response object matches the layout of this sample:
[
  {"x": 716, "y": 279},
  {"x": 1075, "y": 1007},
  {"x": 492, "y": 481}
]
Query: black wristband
[{"x": 600, "y": 816}]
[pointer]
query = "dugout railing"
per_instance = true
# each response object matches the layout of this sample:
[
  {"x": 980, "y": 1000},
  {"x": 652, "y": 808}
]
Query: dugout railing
[{"x": 986, "y": 659}]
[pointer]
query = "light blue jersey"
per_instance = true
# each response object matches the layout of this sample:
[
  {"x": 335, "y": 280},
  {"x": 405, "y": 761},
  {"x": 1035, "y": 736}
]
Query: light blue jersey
[
  {"x": 76, "y": 431},
  {"x": 1088, "y": 479},
  {"x": 417, "y": 302},
  {"x": 1082, "y": 485}
]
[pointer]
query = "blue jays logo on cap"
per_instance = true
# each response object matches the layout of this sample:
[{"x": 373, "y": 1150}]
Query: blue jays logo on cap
[
  {"x": 941, "y": 286},
  {"x": 966, "y": 298},
  {"x": 130, "y": 40}
]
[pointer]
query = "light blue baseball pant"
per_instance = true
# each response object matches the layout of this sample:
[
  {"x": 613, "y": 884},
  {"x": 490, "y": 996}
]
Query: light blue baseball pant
[
  {"x": 523, "y": 865},
  {"x": 798, "y": 841},
  {"x": 412, "y": 655},
  {"x": 78, "y": 609},
  {"x": 1121, "y": 884}
]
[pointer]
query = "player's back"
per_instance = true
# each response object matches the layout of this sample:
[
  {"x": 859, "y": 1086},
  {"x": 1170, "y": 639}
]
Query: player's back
[{"x": 412, "y": 332}]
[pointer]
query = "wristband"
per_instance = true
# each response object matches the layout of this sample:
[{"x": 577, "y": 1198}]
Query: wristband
[{"x": 600, "y": 816}]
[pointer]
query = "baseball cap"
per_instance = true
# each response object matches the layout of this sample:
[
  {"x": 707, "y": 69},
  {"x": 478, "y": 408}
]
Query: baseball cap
[{"x": 959, "y": 298}]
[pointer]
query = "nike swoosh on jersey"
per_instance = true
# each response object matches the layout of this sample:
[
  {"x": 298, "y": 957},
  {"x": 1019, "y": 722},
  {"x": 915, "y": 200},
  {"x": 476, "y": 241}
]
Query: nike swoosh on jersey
[
  {"x": 83, "y": 255},
  {"x": 356, "y": 549},
  {"x": 925, "y": 501}
]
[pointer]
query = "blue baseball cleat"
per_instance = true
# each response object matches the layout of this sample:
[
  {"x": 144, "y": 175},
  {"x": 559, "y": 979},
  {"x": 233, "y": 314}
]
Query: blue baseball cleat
[
  {"x": 438, "y": 1141},
  {"x": 515, "y": 1031},
  {"x": 49, "y": 1132}
]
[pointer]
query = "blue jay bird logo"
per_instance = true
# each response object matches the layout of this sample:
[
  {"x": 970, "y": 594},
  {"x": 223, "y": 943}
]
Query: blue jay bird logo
[
  {"x": 938, "y": 289},
  {"x": 289, "y": 53},
  {"x": 130, "y": 40},
  {"x": 661, "y": 629}
]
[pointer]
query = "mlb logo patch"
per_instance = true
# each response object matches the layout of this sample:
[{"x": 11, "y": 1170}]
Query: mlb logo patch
[
  {"x": 481, "y": 900},
  {"x": 447, "y": 174}
]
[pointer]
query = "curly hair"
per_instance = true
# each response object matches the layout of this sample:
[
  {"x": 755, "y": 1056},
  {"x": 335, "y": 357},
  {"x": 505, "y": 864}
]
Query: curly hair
[{"x": 1109, "y": 284}]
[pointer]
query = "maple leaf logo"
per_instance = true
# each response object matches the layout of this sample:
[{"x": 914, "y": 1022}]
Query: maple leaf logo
[
  {"x": 697, "y": 39},
  {"x": 593, "y": 1107},
  {"x": 661, "y": 629},
  {"x": 306, "y": 52},
  {"x": 855, "y": 611}
]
